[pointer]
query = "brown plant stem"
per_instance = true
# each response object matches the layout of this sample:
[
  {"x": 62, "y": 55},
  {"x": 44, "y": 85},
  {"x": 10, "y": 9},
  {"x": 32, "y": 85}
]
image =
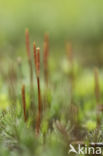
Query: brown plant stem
[
  {"x": 29, "y": 58},
  {"x": 97, "y": 88},
  {"x": 97, "y": 94},
  {"x": 45, "y": 58},
  {"x": 39, "y": 96},
  {"x": 12, "y": 84},
  {"x": 71, "y": 61},
  {"x": 24, "y": 102},
  {"x": 45, "y": 63},
  {"x": 39, "y": 106},
  {"x": 34, "y": 49},
  {"x": 37, "y": 64},
  {"x": 69, "y": 53},
  {"x": 72, "y": 108}
]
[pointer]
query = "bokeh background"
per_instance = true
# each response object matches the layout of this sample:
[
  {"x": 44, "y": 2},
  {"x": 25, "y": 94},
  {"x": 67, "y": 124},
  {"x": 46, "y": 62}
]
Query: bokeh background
[{"x": 76, "y": 21}]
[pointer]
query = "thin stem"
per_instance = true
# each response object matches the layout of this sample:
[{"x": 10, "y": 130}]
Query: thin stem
[
  {"x": 29, "y": 57},
  {"x": 97, "y": 88},
  {"x": 70, "y": 53},
  {"x": 34, "y": 49},
  {"x": 39, "y": 96},
  {"x": 71, "y": 61},
  {"x": 39, "y": 106},
  {"x": 97, "y": 94},
  {"x": 45, "y": 58},
  {"x": 27, "y": 44},
  {"x": 37, "y": 63},
  {"x": 24, "y": 102}
]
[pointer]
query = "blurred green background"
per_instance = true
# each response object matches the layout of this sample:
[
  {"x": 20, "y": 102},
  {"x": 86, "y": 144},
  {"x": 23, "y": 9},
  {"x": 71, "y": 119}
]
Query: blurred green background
[{"x": 77, "y": 21}]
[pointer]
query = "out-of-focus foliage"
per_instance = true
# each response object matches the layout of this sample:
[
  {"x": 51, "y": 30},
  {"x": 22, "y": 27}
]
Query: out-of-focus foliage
[
  {"x": 77, "y": 21},
  {"x": 82, "y": 19}
]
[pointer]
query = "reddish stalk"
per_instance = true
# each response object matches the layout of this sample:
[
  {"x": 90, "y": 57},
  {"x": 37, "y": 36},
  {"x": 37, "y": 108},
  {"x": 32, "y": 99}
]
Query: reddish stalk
[
  {"x": 12, "y": 84},
  {"x": 71, "y": 61},
  {"x": 34, "y": 49},
  {"x": 72, "y": 108},
  {"x": 27, "y": 44},
  {"x": 37, "y": 65},
  {"x": 97, "y": 89},
  {"x": 29, "y": 57},
  {"x": 39, "y": 106},
  {"x": 45, "y": 57},
  {"x": 24, "y": 102},
  {"x": 38, "y": 62},
  {"x": 97, "y": 94},
  {"x": 46, "y": 39},
  {"x": 70, "y": 53}
]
